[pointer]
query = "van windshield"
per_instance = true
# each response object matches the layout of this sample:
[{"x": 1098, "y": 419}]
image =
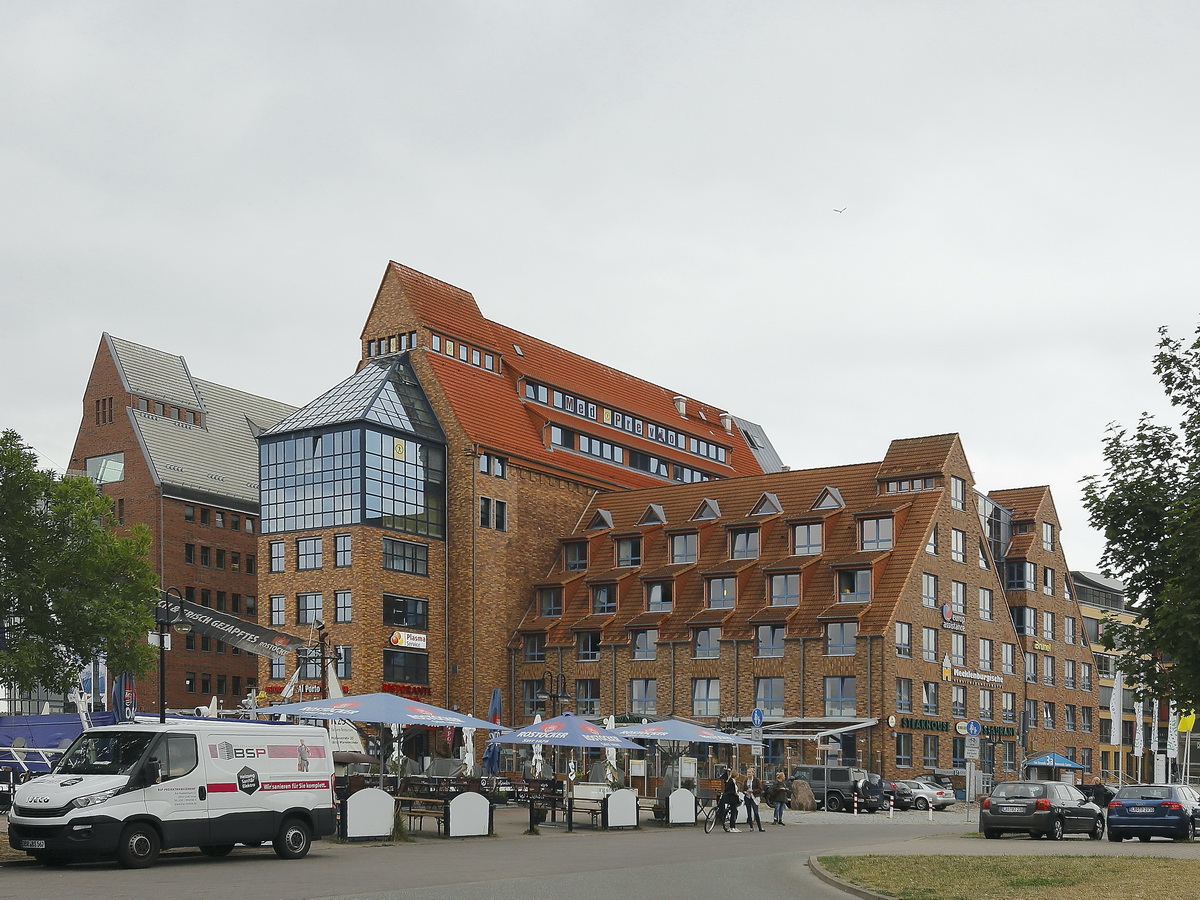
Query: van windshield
[{"x": 104, "y": 753}]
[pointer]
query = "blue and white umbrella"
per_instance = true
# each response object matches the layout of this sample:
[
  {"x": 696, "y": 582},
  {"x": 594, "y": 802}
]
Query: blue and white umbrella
[
  {"x": 675, "y": 730},
  {"x": 567, "y": 730},
  {"x": 380, "y": 708},
  {"x": 491, "y": 756}
]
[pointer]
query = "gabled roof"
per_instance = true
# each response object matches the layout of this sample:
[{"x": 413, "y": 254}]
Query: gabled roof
[
  {"x": 1026, "y": 502},
  {"x": 919, "y": 456}
]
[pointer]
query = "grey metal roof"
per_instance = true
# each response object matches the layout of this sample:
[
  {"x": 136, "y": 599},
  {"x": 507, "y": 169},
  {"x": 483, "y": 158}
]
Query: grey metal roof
[
  {"x": 1095, "y": 579},
  {"x": 219, "y": 457},
  {"x": 760, "y": 445}
]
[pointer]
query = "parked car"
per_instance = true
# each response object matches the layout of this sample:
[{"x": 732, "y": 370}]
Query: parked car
[
  {"x": 835, "y": 787},
  {"x": 925, "y": 795},
  {"x": 898, "y": 793},
  {"x": 1154, "y": 810},
  {"x": 939, "y": 780},
  {"x": 1040, "y": 808}
]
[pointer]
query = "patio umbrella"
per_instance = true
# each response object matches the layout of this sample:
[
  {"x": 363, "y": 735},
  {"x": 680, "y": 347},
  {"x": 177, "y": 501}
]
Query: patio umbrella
[
  {"x": 675, "y": 730},
  {"x": 1053, "y": 761},
  {"x": 381, "y": 708},
  {"x": 535, "y": 764},
  {"x": 567, "y": 730},
  {"x": 491, "y": 756}
]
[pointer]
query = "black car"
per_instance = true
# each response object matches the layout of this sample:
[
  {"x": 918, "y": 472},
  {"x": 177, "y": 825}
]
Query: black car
[
  {"x": 1040, "y": 808},
  {"x": 1154, "y": 810},
  {"x": 897, "y": 793}
]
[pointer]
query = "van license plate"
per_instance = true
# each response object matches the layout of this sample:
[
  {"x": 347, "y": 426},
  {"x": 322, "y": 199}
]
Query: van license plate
[{"x": 33, "y": 845}]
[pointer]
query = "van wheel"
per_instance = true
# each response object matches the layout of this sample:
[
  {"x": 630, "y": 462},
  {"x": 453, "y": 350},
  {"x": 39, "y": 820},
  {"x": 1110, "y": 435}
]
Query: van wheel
[
  {"x": 139, "y": 846},
  {"x": 833, "y": 803},
  {"x": 293, "y": 841},
  {"x": 216, "y": 850},
  {"x": 54, "y": 860}
]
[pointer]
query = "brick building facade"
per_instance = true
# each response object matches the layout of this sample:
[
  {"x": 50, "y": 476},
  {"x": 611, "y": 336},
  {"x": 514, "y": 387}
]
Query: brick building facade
[{"x": 177, "y": 454}]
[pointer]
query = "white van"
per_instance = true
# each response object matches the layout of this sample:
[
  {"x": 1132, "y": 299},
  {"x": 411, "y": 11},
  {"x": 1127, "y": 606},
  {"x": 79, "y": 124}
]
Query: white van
[{"x": 132, "y": 790}]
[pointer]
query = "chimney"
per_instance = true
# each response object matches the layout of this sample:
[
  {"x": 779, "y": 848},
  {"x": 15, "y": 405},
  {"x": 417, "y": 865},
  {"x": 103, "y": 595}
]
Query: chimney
[
  {"x": 681, "y": 405},
  {"x": 727, "y": 422}
]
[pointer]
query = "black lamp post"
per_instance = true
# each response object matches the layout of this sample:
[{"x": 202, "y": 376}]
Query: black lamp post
[
  {"x": 320, "y": 655},
  {"x": 165, "y": 616},
  {"x": 553, "y": 689}
]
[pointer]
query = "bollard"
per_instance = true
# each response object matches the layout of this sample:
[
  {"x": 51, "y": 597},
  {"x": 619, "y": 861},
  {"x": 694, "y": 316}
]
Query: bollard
[
  {"x": 891, "y": 808},
  {"x": 856, "y": 803},
  {"x": 930, "y": 812}
]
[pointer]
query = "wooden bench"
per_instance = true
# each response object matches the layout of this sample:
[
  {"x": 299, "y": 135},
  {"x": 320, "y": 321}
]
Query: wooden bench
[
  {"x": 588, "y": 797},
  {"x": 418, "y": 809}
]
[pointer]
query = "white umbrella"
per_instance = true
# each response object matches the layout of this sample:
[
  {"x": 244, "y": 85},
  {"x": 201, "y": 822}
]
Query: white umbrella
[
  {"x": 610, "y": 753},
  {"x": 535, "y": 767},
  {"x": 468, "y": 749}
]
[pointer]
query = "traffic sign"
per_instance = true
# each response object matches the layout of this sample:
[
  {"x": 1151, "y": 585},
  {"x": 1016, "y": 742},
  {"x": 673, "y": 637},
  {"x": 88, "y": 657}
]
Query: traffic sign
[
  {"x": 972, "y": 747},
  {"x": 974, "y": 728},
  {"x": 756, "y": 717}
]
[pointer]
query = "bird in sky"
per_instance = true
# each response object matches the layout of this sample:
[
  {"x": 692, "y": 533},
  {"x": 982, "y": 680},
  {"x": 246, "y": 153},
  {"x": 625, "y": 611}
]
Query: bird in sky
[{"x": 843, "y": 209}]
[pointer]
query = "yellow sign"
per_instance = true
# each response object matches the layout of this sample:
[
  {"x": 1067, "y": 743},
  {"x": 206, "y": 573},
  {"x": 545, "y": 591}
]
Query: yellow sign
[
  {"x": 398, "y": 448},
  {"x": 1187, "y": 722}
]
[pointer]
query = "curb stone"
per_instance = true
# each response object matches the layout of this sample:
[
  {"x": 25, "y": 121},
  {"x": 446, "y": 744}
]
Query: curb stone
[{"x": 829, "y": 878}]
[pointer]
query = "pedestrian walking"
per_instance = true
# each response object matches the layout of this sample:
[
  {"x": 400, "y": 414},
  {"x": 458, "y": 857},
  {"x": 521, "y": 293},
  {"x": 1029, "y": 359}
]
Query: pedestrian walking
[
  {"x": 751, "y": 791},
  {"x": 1101, "y": 795},
  {"x": 778, "y": 797},
  {"x": 730, "y": 799}
]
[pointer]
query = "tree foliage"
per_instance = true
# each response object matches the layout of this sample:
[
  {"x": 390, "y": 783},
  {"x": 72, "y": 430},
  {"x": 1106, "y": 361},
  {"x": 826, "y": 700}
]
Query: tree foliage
[
  {"x": 70, "y": 588},
  {"x": 1147, "y": 504}
]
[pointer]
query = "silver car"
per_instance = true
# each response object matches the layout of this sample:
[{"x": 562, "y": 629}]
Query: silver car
[{"x": 926, "y": 795}]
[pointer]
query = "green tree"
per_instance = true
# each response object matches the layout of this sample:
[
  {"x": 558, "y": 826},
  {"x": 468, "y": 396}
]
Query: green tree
[
  {"x": 70, "y": 588},
  {"x": 1147, "y": 504}
]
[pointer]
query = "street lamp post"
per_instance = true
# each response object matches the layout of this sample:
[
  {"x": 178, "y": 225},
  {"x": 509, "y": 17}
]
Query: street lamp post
[
  {"x": 554, "y": 689},
  {"x": 321, "y": 656},
  {"x": 165, "y": 616}
]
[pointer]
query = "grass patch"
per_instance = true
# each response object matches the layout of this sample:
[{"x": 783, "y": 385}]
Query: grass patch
[{"x": 1024, "y": 877}]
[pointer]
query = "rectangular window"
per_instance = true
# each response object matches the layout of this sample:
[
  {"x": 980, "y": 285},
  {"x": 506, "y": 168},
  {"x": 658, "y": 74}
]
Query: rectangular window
[
  {"x": 500, "y": 515},
  {"x": 958, "y": 701},
  {"x": 722, "y": 593},
  {"x": 1031, "y": 713},
  {"x": 220, "y": 554},
  {"x": 405, "y": 556},
  {"x": 929, "y": 757},
  {"x": 205, "y": 556},
  {"x": 205, "y": 516},
  {"x": 278, "y": 610},
  {"x": 1031, "y": 675},
  {"x": 706, "y": 697},
  {"x": 839, "y": 695},
  {"x": 1048, "y": 715},
  {"x": 587, "y": 646},
  {"x": 1008, "y": 706},
  {"x": 958, "y": 493},
  {"x": 550, "y": 601},
  {"x": 345, "y": 668},
  {"x": 929, "y": 651},
  {"x": 1048, "y": 581},
  {"x": 406, "y": 667},
  {"x": 308, "y": 553},
  {"x": 485, "y": 512},
  {"x": 575, "y": 556},
  {"x": 904, "y": 758},
  {"x": 1068, "y": 630},
  {"x": 983, "y": 558},
  {"x": 706, "y": 643},
  {"x": 768, "y": 695},
  {"x": 643, "y": 696},
  {"x": 929, "y": 698},
  {"x": 1008, "y": 658},
  {"x": 343, "y": 609},
  {"x": 659, "y": 595},
  {"x": 235, "y": 562},
  {"x": 278, "y": 668},
  {"x": 931, "y": 545},
  {"x": 875, "y": 534},
  {"x": 958, "y": 752},
  {"x": 743, "y": 543},
  {"x": 958, "y": 545},
  {"x": 1085, "y": 676},
  {"x": 683, "y": 548},
  {"x": 806, "y": 539},
  {"x": 604, "y": 599},
  {"x": 904, "y": 639},
  {"x": 985, "y": 654},
  {"x": 1085, "y": 719},
  {"x": 405, "y": 612},
  {"x": 1048, "y": 537},
  {"x": 308, "y": 608},
  {"x": 189, "y": 554},
  {"x": 251, "y": 568},
  {"x": 854, "y": 586},
  {"x": 985, "y": 604},
  {"x": 1048, "y": 670},
  {"x": 1047, "y": 625},
  {"x": 629, "y": 552},
  {"x": 1024, "y": 619},
  {"x": 958, "y": 648},
  {"x": 986, "y": 707},
  {"x": 840, "y": 638},
  {"x": 929, "y": 590},
  {"x": 342, "y": 555},
  {"x": 1010, "y": 755},
  {"x": 1069, "y": 717},
  {"x": 276, "y": 556},
  {"x": 534, "y": 648},
  {"x": 785, "y": 589},
  {"x": 1019, "y": 575},
  {"x": 587, "y": 696},
  {"x": 1069, "y": 673},
  {"x": 958, "y": 597},
  {"x": 189, "y": 682},
  {"x": 189, "y": 514},
  {"x": 644, "y": 643},
  {"x": 770, "y": 640},
  {"x": 531, "y": 703},
  {"x": 904, "y": 695}
]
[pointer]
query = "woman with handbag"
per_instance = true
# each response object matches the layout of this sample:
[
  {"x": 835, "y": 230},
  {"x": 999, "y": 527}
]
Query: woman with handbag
[{"x": 751, "y": 791}]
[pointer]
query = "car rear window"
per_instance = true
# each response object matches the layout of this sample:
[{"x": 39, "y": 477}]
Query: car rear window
[
  {"x": 1019, "y": 790},
  {"x": 1144, "y": 792}
]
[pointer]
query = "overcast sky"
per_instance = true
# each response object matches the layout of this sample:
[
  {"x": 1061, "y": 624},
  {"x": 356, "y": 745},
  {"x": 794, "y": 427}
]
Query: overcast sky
[{"x": 650, "y": 184}]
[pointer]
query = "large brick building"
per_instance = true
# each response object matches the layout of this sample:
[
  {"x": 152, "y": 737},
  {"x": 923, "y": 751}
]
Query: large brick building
[
  {"x": 887, "y": 601},
  {"x": 410, "y": 509},
  {"x": 178, "y": 455}
]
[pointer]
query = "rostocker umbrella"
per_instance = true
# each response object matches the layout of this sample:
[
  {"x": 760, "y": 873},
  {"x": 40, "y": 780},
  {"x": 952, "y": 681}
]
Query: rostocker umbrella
[
  {"x": 567, "y": 730},
  {"x": 675, "y": 730},
  {"x": 380, "y": 708}
]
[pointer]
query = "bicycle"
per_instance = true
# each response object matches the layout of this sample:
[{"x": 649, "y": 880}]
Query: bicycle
[{"x": 712, "y": 814}]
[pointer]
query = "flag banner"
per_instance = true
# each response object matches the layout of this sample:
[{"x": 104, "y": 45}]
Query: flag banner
[
  {"x": 1139, "y": 730},
  {"x": 124, "y": 698},
  {"x": 1187, "y": 722},
  {"x": 1172, "y": 731},
  {"x": 1155, "y": 712},
  {"x": 1115, "y": 710},
  {"x": 236, "y": 632}
]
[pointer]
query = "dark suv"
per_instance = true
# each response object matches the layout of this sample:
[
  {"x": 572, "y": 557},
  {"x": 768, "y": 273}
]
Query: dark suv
[{"x": 835, "y": 787}]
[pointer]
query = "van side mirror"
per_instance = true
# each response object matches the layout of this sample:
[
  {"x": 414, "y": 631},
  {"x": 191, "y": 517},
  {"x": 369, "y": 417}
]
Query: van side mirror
[{"x": 153, "y": 771}]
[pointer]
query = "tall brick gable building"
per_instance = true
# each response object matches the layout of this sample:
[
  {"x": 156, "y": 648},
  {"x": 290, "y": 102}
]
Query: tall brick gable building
[
  {"x": 888, "y": 602},
  {"x": 410, "y": 509},
  {"x": 178, "y": 454}
]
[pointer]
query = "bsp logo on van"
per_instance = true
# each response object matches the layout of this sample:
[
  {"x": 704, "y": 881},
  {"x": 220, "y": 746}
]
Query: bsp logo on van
[{"x": 226, "y": 750}]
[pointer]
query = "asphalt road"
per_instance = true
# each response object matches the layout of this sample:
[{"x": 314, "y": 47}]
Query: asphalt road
[{"x": 653, "y": 862}]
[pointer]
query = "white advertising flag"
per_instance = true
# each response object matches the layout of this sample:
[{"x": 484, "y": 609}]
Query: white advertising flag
[
  {"x": 1155, "y": 711},
  {"x": 1115, "y": 710},
  {"x": 1139, "y": 731},
  {"x": 1172, "y": 731}
]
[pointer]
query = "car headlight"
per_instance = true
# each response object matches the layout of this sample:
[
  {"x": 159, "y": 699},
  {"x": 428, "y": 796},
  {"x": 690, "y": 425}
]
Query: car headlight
[{"x": 93, "y": 799}]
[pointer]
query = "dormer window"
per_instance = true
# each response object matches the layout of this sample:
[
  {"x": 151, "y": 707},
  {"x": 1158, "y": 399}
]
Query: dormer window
[
  {"x": 575, "y": 556},
  {"x": 629, "y": 552},
  {"x": 767, "y": 505},
  {"x": 876, "y": 534},
  {"x": 743, "y": 543},
  {"x": 830, "y": 498},
  {"x": 683, "y": 548},
  {"x": 854, "y": 585},
  {"x": 653, "y": 515},
  {"x": 806, "y": 539},
  {"x": 601, "y": 520},
  {"x": 708, "y": 509}
]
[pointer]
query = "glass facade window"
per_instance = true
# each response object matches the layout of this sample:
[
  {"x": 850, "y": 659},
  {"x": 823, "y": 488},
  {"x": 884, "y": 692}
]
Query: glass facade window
[
  {"x": 643, "y": 696},
  {"x": 769, "y": 640},
  {"x": 683, "y": 548},
  {"x": 839, "y": 695},
  {"x": 840, "y": 638},
  {"x": 768, "y": 695},
  {"x": 406, "y": 667},
  {"x": 806, "y": 539},
  {"x": 706, "y": 697},
  {"x": 785, "y": 589},
  {"x": 405, "y": 556},
  {"x": 706, "y": 643}
]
